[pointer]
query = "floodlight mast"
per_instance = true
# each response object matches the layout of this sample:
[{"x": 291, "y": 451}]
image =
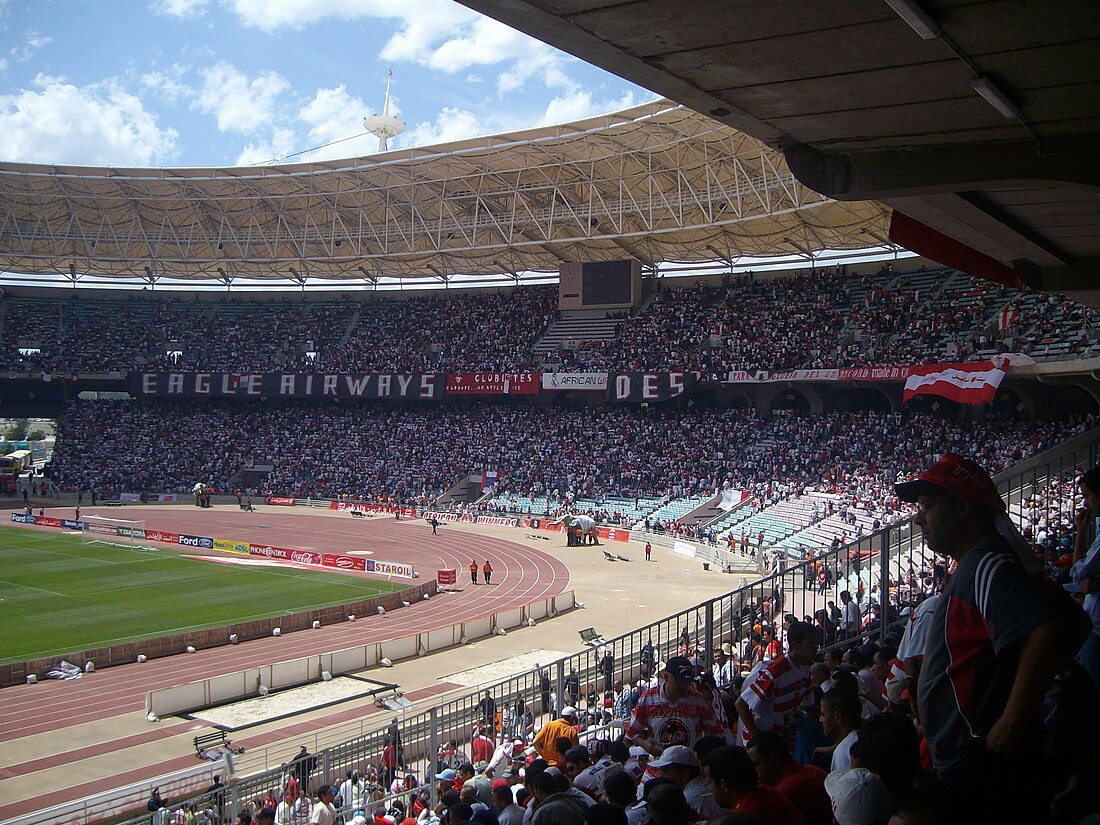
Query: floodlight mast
[{"x": 384, "y": 126}]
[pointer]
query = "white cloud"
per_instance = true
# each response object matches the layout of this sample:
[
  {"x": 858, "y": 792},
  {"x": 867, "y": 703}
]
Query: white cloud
[
  {"x": 542, "y": 63},
  {"x": 31, "y": 45},
  {"x": 484, "y": 42},
  {"x": 238, "y": 103},
  {"x": 181, "y": 8},
  {"x": 3, "y": 64},
  {"x": 579, "y": 104},
  {"x": 425, "y": 25},
  {"x": 169, "y": 85},
  {"x": 335, "y": 115},
  {"x": 275, "y": 149},
  {"x": 96, "y": 125},
  {"x": 440, "y": 34},
  {"x": 273, "y": 14},
  {"x": 451, "y": 124}
]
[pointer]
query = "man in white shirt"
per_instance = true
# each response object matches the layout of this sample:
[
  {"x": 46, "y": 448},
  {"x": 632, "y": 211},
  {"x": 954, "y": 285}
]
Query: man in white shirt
[
  {"x": 841, "y": 720},
  {"x": 586, "y": 775},
  {"x": 850, "y": 618},
  {"x": 681, "y": 765},
  {"x": 726, "y": 668},
  {"x": 506, "y": 752},
  {"x": 324, "y": 812}
]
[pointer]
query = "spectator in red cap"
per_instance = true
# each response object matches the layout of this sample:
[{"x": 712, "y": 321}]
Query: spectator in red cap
[{"x": 996, "y": 640}]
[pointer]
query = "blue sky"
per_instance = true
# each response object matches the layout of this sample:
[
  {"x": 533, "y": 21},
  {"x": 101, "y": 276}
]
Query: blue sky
[{"x": 240, "y": 82}]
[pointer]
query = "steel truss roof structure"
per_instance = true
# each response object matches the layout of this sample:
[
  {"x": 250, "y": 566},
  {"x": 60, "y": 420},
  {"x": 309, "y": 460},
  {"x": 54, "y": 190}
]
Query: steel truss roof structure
[{"x": 657, "y": 182}]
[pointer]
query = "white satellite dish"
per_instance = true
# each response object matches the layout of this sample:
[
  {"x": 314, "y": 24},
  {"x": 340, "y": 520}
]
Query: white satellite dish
[{"x": 385, "y": 125}]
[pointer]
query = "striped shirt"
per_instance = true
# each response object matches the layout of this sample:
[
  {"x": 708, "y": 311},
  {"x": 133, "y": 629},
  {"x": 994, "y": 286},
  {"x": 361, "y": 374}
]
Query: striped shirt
[{"x": 774, "y": 694}]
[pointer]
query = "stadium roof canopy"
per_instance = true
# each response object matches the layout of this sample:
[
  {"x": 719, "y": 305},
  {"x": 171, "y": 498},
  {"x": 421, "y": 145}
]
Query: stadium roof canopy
[
  {"x": 977, "y": 121},
  {"x": 657, "y": 182}
]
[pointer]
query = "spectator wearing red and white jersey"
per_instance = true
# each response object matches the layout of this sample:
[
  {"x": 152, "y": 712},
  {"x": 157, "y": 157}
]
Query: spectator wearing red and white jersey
[
  {"x": 676, "y": 712},
  {"x": 772, "y": 696}
]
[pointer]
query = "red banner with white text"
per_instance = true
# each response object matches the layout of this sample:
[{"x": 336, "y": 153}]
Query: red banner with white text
[
  {"x": 963, "y": 383},
  {"x": 493, "y": 383},
  {"x": 555, "y": 526}
]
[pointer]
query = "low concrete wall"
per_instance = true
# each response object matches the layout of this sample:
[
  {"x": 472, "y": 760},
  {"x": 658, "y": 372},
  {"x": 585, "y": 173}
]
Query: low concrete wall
[
  {"x": 235, "y": 686},
  {"x": 17, "y": 672}
]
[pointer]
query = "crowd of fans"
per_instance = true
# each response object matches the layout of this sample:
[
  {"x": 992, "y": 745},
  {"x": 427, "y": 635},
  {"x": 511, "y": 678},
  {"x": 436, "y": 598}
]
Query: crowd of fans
[
  {"x": 411, "y": 453},
  {"x": 830, "y": 319},
  {"x": 450, "y": 332},
  {"x": 820, "y": 319}
]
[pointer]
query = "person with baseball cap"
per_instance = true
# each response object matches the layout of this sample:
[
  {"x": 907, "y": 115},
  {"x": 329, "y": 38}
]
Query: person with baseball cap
[
  {"x": 676, "y": 712},
  {"x": 996, "y": 639},
  {"x": 681, "y": 765}
]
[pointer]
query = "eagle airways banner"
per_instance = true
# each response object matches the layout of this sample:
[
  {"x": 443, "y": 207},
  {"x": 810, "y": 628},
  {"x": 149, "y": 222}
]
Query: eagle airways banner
[
  {"x": 975, "y": 383},
  {"x": 376, "y": 386}
]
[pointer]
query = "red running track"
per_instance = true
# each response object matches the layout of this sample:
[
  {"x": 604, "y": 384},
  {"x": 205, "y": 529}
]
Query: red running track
[{"x": 521, "y": 575}]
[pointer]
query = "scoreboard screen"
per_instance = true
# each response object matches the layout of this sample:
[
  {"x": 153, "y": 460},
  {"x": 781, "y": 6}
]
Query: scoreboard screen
[{"x": 606, "y": 283}]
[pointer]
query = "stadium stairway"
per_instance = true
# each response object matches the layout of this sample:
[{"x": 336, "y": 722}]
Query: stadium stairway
[
  {"x": 353, "y": 322},
  {"x": 692, "y": 509},
  {"x": 819, "y": 535},
  {"x": 579, "y": 326},
  {"x": 778, "y": 521}
]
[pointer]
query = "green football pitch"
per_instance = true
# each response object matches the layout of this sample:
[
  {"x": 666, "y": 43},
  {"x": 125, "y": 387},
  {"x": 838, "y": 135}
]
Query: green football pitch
[{"x": 61, "y": 596}]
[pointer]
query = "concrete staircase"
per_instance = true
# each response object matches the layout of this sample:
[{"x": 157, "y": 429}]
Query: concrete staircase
[{"x": 576, "y": 325}]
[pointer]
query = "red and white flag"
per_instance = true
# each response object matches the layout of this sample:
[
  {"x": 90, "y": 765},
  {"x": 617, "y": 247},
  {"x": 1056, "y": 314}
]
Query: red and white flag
[
  {"x": 1008, "y": 318},
  {"x": 964, "y": 383}
]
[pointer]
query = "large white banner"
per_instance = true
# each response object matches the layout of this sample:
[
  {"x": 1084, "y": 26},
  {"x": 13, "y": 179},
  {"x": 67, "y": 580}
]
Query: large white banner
[
  {"x": 594, "y": 381},
  {"x": 684, "y": 549}
]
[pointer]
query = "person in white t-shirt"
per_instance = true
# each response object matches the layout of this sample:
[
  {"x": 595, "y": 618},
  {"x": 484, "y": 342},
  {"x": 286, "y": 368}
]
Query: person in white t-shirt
[
  {"x": 841, "y": 720},
  {"x": 586, "y": 775},
  {"x": 677, "y": 712},
  {"x": 850, "y": 617},
  {"x": 681, "y": 765},
  {"x": 324, "y": 812}
]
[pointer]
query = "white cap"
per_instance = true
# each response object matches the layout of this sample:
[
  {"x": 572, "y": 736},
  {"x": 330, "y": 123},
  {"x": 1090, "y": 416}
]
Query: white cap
[
  {"x": 638, "y": 750},
  {"x": 675, "y": 755},
  {"x": 569, "y": 710},
  {"x": 859, "y": 797}
]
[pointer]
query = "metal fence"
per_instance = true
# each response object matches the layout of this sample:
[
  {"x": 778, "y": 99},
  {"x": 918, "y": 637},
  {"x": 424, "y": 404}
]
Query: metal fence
[{"x": 886, "y": 572}]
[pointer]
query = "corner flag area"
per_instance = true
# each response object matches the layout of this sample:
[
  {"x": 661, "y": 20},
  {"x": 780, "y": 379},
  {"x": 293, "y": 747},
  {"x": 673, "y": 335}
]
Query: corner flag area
[{"x": 58, "y": 595}]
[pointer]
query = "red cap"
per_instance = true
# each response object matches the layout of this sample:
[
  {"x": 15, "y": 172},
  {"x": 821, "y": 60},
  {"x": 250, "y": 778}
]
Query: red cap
[{"x": 957, "y": 475}]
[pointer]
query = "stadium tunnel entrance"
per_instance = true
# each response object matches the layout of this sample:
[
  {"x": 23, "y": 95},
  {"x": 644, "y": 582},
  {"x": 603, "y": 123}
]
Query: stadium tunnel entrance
[
  {"x": 859, "y": 399},
  {"x": 790, "y": 399}
]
